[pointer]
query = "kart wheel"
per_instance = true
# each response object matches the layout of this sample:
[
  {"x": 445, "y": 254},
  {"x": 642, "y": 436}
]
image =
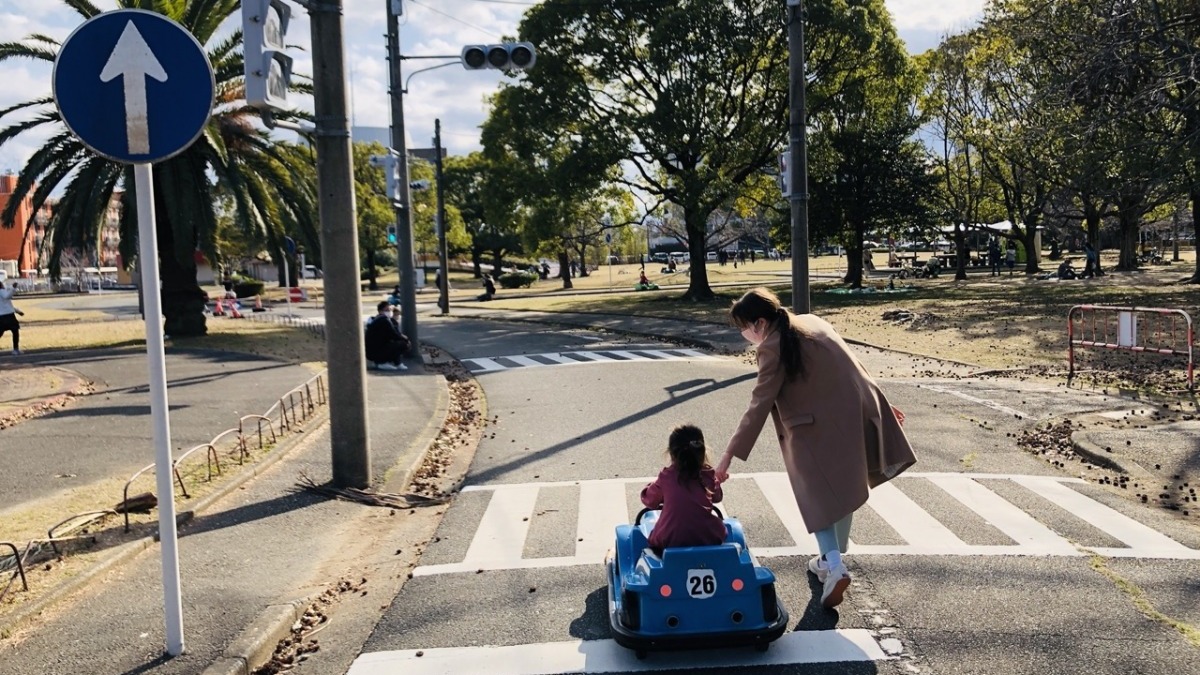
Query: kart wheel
[
  {"x": 762, "y": 647},
  {"x": 640, "y": 654}
]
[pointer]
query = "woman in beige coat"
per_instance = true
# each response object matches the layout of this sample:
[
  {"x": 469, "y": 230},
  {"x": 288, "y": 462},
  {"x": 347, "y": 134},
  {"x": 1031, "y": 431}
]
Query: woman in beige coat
[{"x": 838, "y": 433}]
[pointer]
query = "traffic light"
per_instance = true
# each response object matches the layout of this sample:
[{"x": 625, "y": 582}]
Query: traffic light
[
  {"x": 268, "y": 68},
  {"x": 390, "y": 164},
  {"x": 391, "y": 234},
  {"x": 506, "y": 56}
]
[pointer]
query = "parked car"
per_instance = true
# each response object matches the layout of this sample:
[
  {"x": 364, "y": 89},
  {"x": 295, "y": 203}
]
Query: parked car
[{"x": 711, "y": 255}]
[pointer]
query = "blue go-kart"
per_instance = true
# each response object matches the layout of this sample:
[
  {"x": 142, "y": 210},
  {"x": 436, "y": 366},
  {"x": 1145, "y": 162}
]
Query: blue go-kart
[{"x": 690, "y": 597}]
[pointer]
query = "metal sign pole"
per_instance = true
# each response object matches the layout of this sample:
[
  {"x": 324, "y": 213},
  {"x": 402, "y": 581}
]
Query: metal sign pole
[
  {"x": 169, "y": 543},
  {"x": 287, "y": 285}
]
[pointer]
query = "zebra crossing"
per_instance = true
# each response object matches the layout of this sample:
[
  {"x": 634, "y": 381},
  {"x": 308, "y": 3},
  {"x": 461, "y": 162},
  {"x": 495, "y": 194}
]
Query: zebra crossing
[
  {"x": 499, "y": 540},
  {"x": 490, "y": 364}
]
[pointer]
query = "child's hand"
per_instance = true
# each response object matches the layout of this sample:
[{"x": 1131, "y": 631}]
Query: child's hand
[
  {"x": 899, "y": 415},
  {"x": 19, "y": 312}
]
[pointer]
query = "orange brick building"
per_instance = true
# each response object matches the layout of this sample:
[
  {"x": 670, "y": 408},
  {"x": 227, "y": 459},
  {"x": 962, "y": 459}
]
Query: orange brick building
[{"x": 20, "y": 242}]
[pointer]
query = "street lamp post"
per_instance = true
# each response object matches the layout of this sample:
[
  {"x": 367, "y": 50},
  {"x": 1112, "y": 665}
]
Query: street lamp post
[
  {"x": 798, "y": 135},
  {"x": 403, "y": 205}
]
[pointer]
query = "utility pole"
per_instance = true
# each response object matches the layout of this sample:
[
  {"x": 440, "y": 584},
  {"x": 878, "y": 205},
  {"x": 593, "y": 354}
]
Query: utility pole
[
  {"x": 339, "y": 243},
  {"x": 443, "y": 257},
  {"x": 404, "y": 238},
  {"x": 798, "y": 135}
]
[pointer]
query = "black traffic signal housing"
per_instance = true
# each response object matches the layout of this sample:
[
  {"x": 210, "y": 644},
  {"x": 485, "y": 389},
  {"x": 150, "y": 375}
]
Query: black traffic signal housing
[{"x": 506, "y": 56}]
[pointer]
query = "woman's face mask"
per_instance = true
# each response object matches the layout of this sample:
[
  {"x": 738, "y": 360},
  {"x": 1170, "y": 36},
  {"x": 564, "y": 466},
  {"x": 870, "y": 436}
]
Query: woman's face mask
[{"x": 756, "y": 332}]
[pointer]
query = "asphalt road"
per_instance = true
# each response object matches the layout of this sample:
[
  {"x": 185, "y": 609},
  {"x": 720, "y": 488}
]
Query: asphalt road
[{"x": 982, "y": 559}]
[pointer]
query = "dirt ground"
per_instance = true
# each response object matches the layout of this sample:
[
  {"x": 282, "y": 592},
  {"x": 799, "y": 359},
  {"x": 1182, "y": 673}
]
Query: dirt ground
[{"x": 1001, "y": 323}]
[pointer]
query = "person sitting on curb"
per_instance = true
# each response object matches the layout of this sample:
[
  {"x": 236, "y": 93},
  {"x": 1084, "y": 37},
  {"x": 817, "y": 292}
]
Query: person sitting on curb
[{"x": 385, "y": 344}]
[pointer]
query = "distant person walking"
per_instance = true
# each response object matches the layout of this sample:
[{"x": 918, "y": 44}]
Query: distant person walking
[
  {"x": 8, "y": 318},
  {"x": 1010, "y": 257},
  {"x": 1091, "y": 265},
  {"x": 994, "y": 256}
]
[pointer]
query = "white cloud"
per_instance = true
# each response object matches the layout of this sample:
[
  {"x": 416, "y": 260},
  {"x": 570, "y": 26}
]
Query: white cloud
[{"x": 937, "y": 15}]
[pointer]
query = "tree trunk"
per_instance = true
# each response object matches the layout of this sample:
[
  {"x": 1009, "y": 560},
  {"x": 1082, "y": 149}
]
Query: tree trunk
[
  {"x": 477, "y": 261},
  {"x": 1195, "y": 197},
  {"x": 1129, "y": 219},
  {"x": 183, "y": 301},
  {"x": 583, "y": 270},
  {"x": 497, "y": 262},
  {"x": 372, "y": 284},
  {"x": 1029, "y": 239},
  {"x": 564, "y": 268},
  {"x": 960, "y": 253},
  {"x": 698, "y": 288},
  {"x": 1092, "y": 217}
]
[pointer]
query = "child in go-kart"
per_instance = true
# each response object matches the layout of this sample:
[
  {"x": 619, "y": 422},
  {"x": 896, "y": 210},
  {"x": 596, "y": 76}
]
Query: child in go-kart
[{"x": 686, "y": 491}]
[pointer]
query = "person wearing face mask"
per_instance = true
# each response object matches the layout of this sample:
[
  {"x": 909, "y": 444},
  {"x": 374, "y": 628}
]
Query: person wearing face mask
[{"x": 838, "y": 433}]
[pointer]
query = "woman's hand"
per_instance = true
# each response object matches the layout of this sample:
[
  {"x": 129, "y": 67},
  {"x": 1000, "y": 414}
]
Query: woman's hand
[
  {"x": 899, "y": 415},
  {"x": 722, "y": 468}
]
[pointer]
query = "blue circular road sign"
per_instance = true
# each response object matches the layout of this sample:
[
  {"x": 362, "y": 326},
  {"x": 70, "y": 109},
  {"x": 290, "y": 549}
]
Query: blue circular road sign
[{"x": 134, "y": 86}]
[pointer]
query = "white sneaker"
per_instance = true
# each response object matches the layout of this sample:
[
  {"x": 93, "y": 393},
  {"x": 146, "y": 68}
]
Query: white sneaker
[
  {"x": 387, "y": 366},
  {"x": 16, "y": 352},
  {"x": 836, "y": 583},
  {"x": 401, "y": 366},
  {"x": 819, "y": 568}
]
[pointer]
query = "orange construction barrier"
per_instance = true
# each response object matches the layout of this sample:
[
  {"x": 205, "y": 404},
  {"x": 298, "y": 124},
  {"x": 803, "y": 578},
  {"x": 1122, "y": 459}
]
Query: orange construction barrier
[
  {"x": 258, "y": 307},
  {"x": 297, "y": 294}
]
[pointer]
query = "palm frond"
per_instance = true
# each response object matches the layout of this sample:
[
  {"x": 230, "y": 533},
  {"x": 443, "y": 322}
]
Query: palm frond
[
  {"x": 20, "y": 50},
  {"x": 45, "y": 39},
  {"x": 14, "y": 130},
  {"x": 86, "y": 9},
  {"x": 46, "y": 100},
  {"x": 41, "y": 162}
]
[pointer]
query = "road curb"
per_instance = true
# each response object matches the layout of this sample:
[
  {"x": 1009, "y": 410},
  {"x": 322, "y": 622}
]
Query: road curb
[
  {"x": 255, "y": 645},
  {"x": 131, "y": 549}
]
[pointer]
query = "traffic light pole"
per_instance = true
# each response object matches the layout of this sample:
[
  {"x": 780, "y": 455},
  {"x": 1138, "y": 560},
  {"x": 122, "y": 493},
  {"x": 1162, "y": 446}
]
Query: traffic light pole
[
  {"x": 405, "y": 260},
  {"x": 798, "y": 134},
  {"x": 443, "y": 253},
  {"x": 350, "y": 443}
]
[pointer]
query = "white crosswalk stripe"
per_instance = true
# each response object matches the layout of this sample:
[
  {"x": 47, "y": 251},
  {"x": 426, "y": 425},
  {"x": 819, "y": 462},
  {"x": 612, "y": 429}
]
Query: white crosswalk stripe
[
  {"x": 606, "y": 656},
  {"x": 481, "y": 364},
  {"x": 499, "y": 540}
]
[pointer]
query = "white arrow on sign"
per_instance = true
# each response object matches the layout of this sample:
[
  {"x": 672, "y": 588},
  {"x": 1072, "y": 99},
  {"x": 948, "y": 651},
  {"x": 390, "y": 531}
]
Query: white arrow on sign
[{"x": 132, "y": 59}]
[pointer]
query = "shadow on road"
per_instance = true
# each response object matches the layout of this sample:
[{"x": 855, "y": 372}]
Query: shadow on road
[{"x": 498, "y": 471}]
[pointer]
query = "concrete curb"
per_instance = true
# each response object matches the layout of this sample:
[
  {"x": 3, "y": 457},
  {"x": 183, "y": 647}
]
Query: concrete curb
[
  {"x": 129, "y": 550},
  {"x": 255, "y": 645}
]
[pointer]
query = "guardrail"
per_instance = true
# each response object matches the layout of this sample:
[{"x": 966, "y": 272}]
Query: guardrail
[
  {"x": 1151, "y": 330},
  {"x": 294, "y": 407},
  {"x": 297, "y": 405}
]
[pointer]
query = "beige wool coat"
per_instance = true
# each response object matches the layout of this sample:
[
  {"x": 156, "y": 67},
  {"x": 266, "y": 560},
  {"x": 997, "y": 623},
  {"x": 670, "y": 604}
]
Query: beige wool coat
[{"x": 836, "y": 429}]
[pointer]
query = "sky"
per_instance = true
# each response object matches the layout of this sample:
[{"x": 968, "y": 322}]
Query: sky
[{"x": 429, "y": 27}]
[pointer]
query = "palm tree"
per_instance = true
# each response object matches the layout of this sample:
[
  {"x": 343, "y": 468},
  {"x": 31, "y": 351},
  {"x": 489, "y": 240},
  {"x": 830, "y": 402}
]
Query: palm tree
[{"x": 271, "y": 195}]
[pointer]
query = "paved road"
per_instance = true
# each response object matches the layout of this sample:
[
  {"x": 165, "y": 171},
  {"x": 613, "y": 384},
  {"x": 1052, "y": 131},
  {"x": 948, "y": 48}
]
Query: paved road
[
  {"x": 981, "y": 560},
  {"x": 105, "y": 435}
]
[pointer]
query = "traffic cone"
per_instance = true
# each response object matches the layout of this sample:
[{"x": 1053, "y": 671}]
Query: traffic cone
[
  {"x": 233, "y": 310},
  {"x": 258, "y": 304},
  {"x": 219, "y": 309}
]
